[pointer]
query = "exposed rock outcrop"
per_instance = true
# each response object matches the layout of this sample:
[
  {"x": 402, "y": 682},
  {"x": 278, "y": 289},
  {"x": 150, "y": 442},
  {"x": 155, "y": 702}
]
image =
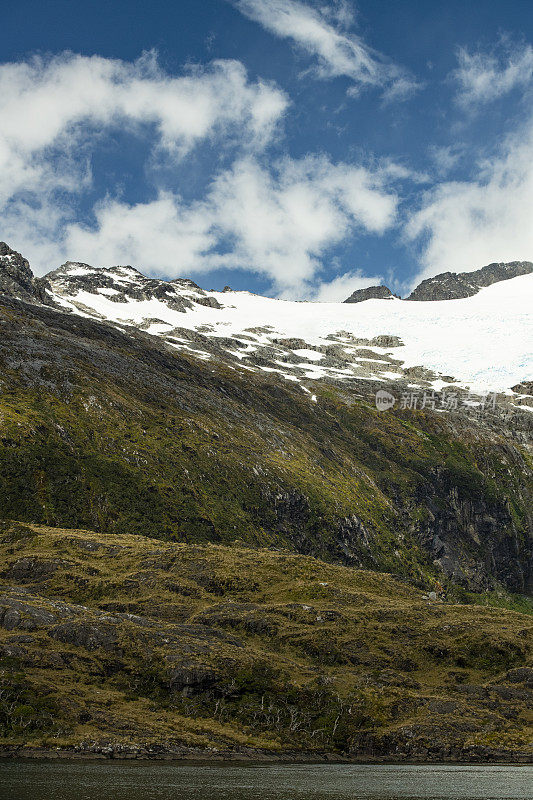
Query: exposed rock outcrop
[
  {"x": 453, "y": 286},
  {"x": 121, "y": 284},
  {"x": 370, "y": 293},
  {"x": 17, "y": 280}
]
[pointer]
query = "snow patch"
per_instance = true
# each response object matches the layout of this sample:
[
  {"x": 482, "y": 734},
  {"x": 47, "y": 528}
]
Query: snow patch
[{"x": 483, "y": 341}]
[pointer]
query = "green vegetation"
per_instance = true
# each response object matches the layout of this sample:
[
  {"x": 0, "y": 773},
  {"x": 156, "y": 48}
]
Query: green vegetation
[
  {"x": 497, "y": 599},
  {"x": 25, "y": 709},
  {"x": 256, "y": 566},
  {"x": 117, "y": 434},
  {"x": 122, "y": 640}
]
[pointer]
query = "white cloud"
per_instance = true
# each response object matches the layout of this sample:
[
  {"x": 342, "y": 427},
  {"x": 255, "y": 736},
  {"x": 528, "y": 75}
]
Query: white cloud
[
  {"x": 161, "y": 237},
  {"x": 341, "y": 287},
  {"x": 48, "y": 107},
  {"x": 278, "y": 220},
  {"x": 282, "y": 224},
  {"x": 53, "y": 112},
  {"x": 467, "y": 224},
  {"x": 445, "y": 158},
  {"x": 340, "y": 11},
  {"x": 400, "y": 87},
  {"x": 278, "y": 223},
  {"x": 321, "y": 33},
  {"x": 463, "y": 225},
  {"x": 484, "y": 77}
]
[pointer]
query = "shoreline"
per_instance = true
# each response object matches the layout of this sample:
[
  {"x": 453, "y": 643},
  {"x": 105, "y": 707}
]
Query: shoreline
[{"x": 122, "y": 753}]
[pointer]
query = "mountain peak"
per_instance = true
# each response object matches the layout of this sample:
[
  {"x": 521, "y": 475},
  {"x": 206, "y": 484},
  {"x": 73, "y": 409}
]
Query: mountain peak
[
  {"x": 370, "y": 293},
  {"x": 454, "y": 286},
  {"x": 17, "y": 279},
  {"x": 450, "y": 285},
  {"x": 78, "y": 285}
]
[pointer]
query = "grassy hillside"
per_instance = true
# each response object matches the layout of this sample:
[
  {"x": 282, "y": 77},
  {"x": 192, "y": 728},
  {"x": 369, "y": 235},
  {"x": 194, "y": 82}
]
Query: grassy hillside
[
  {"x": 118, "y": 644},
  {"x": 117, "y": 433}
]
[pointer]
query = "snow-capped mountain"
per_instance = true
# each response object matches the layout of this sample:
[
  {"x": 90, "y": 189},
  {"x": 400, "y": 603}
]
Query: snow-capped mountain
[
  {"x": 481, "y": 342},
  {"x": 450, "y": 285},
  {"x": 453, "y": 285}
]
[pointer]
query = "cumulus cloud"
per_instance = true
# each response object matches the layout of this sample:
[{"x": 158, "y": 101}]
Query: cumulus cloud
[
  {"x": 278, "y": 219},
  {"x": 341, "y": 287},
  {"x": 463, "y": 225},
  {"x": 485, "y": 77},
  {"x": 322, "y": 33},
  {"x": 278, "y": 222},
  {"x": 48, "y": 106},
  {"x": 282, "y": 223},
  {"x": 162, "y": 237},
  {"x": 467, "y": 224}
]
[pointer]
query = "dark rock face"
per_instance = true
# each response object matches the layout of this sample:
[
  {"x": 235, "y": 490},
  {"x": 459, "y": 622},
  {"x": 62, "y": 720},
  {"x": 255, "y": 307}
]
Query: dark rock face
[
  {"x": 466, "y": 539},
  {"x": 85, "y": 634},
  {"x": 17, "y": 613},
  {"x": 526, "y": 387},
  {"x": 446, "y": 286},
  {"x": 450, "y": 285},
  {"x": 493, "y": 273},
  {"x": 453, "y": 286},
  {"x": 16, "y": 277},
  {"x": 370, "y": 293},
  {"x": 185, "y": 283}
]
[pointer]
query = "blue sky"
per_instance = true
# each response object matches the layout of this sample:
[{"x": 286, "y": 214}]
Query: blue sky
[{"x": 299, "y": 149}]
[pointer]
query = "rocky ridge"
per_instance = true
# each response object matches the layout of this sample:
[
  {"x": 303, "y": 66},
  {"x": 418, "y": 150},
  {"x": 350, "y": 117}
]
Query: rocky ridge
[
  {"x": 211, "y": 325},
  {"x": 124, "y": 284},
  {"x": 450, "y": 285},
  {"x": 17, "y": 280},
  {"x": 454, "y": 286}
]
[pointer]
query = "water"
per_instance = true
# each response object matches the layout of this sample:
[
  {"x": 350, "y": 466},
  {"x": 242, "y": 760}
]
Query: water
[{"x": 23, "y": 780}]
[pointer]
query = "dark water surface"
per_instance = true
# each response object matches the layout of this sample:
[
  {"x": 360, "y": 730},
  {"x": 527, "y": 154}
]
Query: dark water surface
[{"x": 23, "y": 780}]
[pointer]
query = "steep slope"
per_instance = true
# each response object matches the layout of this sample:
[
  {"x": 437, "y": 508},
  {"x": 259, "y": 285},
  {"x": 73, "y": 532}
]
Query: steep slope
[
  {"x": 115, "y": 430},
  {"x": 124, "y": 647},
  {"x": 425, "y": 344},
  {"x": 266, "y": 541},
  {"x": 16, "y": 278}
]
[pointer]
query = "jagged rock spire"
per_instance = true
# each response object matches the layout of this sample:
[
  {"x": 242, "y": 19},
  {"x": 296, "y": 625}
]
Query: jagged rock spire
[{"x": 17, "y": 279}]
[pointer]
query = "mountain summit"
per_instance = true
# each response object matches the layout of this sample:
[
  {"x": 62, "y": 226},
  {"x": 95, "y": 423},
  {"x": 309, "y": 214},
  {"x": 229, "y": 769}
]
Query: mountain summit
[
  {"x": 370, "y": 293},
  {"x": 16, "y": 277},
  {"x": 450, "y": 285},
  {"x": 405, "y": 346},
  {"x": 453, "y": 286}
]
